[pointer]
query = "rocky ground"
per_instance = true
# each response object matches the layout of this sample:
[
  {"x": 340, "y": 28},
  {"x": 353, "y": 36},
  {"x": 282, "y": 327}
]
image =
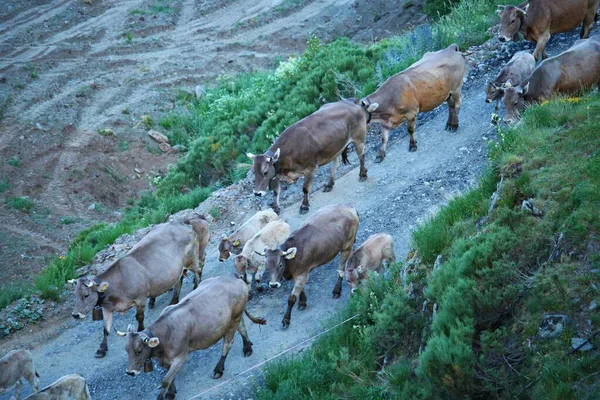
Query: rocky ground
[
  {"x": 400, "y": 192},
  {"x": 81, "y": 84}
]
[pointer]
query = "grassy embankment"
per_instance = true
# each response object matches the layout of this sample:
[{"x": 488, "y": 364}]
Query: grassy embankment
[
  {"x": 246, "y": 113},
  {"x": 500, "y": 276}
]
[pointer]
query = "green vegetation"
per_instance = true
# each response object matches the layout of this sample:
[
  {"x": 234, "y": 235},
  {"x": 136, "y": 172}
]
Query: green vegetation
[
  {"x": 137, "y": 11},
  {"x": 124, "y": 145},
  {"x": 15, "y": 161},
  {"x": 129, "y": 37},
  {"x": 3, "y": 186},
  {"x": 19, "y": 85},
  {"x": 500, "y": 277},
  {"x": 437, "y": 8},
  {"x": 23, "y": 204},
  {"x": 10, "y": 293},
  {"x": 69, "y": 220}
]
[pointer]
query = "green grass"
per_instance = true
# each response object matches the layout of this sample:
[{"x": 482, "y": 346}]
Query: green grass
[
  {"x": 4, "y": 186},
  {"x": 14, "y": 161},
  {"x": 10, "y": 293},
  {"x": 137, "y": 11},
  {"x": 23, "y": 204},
  {"x": 492, "y": 291}
]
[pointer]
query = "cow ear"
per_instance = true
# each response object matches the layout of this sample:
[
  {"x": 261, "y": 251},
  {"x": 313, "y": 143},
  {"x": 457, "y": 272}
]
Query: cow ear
[
  {"x": 373, "y": 107},
  {"x": 276, "y": 155},
  {"x": 153, "y": 342},
  {"x": 250, "y": 155},
  {"x": 526, "y": 89},
  {"x": 103, "y": 287},
  {"x": 524, "y": 10},
  {"x": 291, "y": 253},
  {"x": 130, "y": 328}
]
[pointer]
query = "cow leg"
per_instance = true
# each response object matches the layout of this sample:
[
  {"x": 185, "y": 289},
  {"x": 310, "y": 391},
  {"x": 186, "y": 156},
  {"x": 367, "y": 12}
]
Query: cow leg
[
  {"x": 227, "y": 342},
  {"x": 139, "y": 316},
  {"x": 302, "y": 302},
  {"x": 540, "y": 47},
  {"x": 151, "y": 302},
  {"x": 275, "y": 185},
  {"x": 588, "y": 23},
  {"x": 258, "y": 277},
  {"x": 247, "y": 343},
  {"x": 171, "y": 391},
  {"x": 385, "y": 133},
  {"x": 411, "y": 125},
  {"x": 108, "y": 320},
  {"x": 18, "y": 389},
  {"x": 334, "y": 167},
  {"x": 170, "y": 377},
  {"x": 360, "y": 152},
  {"x": 298, "y": 288},
  {"x": 176, "y": 293},
  {"x": 337, "y": 289},
  {"x": 308, "y": 178},
  {"x": 453, "y": 107},
  {"x": 29, "y": 375}
]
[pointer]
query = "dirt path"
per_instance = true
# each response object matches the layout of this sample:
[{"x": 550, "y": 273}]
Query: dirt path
[{"x": 68, "y": 69}]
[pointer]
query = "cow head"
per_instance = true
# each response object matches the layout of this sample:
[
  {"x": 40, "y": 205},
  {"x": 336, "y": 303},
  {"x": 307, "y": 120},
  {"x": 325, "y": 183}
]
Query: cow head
[
  {"x": 514, "y": 102},
  {"x": 275, "y": 261},
  {"x": 352, "y": 276},
  {"x": 139, "y": 349},
  {"x": 492, "y": 92},
  {"x": 511, "y": 18},
  {"x": 224, "y": 247},
  {"x": 264, "y": 171},
  {"x": 87, "y": 292},
  {"x": 241, "y": 265}
]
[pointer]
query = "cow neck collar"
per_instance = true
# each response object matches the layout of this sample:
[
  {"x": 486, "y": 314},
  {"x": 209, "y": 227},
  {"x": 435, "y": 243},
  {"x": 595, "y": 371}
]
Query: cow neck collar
[{"x": 271, "y": 154}]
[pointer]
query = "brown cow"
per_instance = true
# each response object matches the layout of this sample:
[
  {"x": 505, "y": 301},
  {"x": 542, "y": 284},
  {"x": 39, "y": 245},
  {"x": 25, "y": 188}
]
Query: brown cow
[
  {"x": 235, "y": 242},
  {"x": 568, "y": 73},
  {"x": 69, "y": 387},
  {"x": 250, "y": 262},
  {"x": 212, "y": 311},
  {"x": 369, "y": 257},
  {"x": 149, "y": 269},
  {"x": 436, "y": 78},
  {"x": 330, "y": 231},
  {"x": 538, "y": 20},
  {"x": 519, "y": 68},
  {"x": 314, "y": 141},
  {"x": 14, "y": 366}
]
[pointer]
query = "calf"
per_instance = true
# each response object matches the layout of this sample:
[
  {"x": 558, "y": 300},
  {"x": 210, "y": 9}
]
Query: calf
[
  {"x": 251, "y": 261},
  {"x": 149, "y": 269},
  {"x": 14, "y": 366},
  {"x": 436, "y": 78},
  {"x": 567, "y": 73},
  {"x": 538, "y": 20},
  {"x": 314, "y": 141},
  {"x": 330, "y": 231},
  {"x": 235, "y": 242},
  {"x": 369, "y": 257},
  {"x": 519, "y": 68},
  {"x": 69, "y": 387},
  {"x": 210, "y": 313}
]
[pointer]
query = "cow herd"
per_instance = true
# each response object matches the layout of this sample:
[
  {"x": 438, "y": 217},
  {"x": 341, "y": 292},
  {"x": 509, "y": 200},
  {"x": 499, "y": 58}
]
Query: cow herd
[{"x": 265, "y": 243}]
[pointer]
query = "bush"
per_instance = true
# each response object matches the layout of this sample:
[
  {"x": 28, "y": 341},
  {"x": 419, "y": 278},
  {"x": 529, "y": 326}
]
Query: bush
[
  {"x": 23, "y": 204},
  {"x": 438, "y": 8}
]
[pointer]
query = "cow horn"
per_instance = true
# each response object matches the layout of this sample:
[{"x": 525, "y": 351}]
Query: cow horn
[
  {"x": 89, "y": 283},
  {"x": 523, "y": 10},
  {"x": 72, "y": 281},
  {"x": 501, "y": 6},
  {"x": 250, "y": 155},
  {"x": 259, "y": 253},
  {"x": 120, "y": 333},
  {"x": 373, "y": 107}
]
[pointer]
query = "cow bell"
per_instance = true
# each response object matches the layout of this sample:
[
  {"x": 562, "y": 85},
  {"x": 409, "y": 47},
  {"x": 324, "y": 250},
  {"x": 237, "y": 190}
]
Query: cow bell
[
  {"x": 148, "y": 366},
  {"x": 97, "y": 314}
]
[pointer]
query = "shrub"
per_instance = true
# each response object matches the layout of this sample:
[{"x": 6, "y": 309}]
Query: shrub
[{"x": 23, "y": 204}]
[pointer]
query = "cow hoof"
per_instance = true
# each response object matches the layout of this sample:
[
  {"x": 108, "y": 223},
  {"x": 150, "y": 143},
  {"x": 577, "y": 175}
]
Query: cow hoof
[
  {"x": 303, "y": 209},
  {"x": 259, "y": 287},
  {"x": 275, "y": 209},
  {"x": 413, "y": 148},
  {"x": 248, "y": 351},
  {"x": 362, "y": 178},
  {"x": 379, "y": 159},
  {"x": 100, "y": 353},
  {"x": 217, "y": 374},
  {"x": 337, "y": 295},
  {"x": 328, "y": 188},
  {"x": 301, "y": 307},
  {"x": 286, "y": 323},
  {"x": 451, "y": 128}
]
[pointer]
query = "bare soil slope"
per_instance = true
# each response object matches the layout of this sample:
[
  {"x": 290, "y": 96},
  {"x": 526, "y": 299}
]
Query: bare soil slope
[{"x": 68, "y": 69}]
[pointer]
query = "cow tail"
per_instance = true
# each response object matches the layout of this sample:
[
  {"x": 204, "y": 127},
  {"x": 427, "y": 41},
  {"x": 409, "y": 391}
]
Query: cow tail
[
  {"x": 345, "y": 156},
  {"x": 259, "y": 321}
]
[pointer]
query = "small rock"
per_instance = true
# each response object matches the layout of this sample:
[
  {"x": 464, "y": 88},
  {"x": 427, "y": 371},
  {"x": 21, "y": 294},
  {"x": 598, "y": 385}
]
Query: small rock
[
  {"x": 438, "y": 262},
  {"x": 529, "y": 208},
  {"x": 199, "y": 91},
  {"x": 137, "y": 170},
  {"x": 232, "y": 223},
  {"x": 178, "y": 148},
  {"x": 552, "y": 326},
  {"x": 593, "y": 305},
  {"x": 165, "y": 147},
  {"x": 463, "y": 149},
  {"x": 157, "y": 136},
  {"x": 576, "y": 342},
  {"x": 92, "y": 207}
]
